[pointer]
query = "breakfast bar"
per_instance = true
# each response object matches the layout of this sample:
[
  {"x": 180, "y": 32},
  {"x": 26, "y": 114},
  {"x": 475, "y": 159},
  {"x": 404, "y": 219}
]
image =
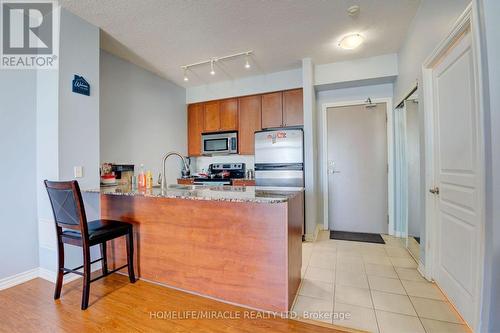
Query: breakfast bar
[{"x": 237, "y": 244}]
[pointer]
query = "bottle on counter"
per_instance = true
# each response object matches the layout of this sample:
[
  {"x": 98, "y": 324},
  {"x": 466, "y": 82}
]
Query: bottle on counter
[
  {"x": 141, "y": 179},
  {"x": 149, "y": 179}
]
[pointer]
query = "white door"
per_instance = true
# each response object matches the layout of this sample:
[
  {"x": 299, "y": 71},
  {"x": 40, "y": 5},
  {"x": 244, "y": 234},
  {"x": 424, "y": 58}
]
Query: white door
[
  {"x": 457, "y": 174},
  {"x": 357, "y": 168}
]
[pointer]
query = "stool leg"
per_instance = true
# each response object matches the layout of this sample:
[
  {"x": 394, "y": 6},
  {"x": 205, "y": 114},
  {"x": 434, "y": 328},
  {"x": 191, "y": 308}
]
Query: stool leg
[
  {"x": 130, "y": 256},
  {"x": 60, "y": 268},
  {"x": 104, "y": 259},
  {"x": 86, "y": 277}
]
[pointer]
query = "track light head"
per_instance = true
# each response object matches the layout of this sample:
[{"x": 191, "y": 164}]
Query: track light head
[
  {"x": 186, "y": 79},
  {"x": 212, "y": 71},
  {"x": 247, "y": 62}
]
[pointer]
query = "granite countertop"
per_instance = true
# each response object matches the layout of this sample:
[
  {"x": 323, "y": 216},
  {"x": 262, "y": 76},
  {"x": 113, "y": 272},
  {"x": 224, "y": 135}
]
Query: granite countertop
[{"x": 207, "y": 192}]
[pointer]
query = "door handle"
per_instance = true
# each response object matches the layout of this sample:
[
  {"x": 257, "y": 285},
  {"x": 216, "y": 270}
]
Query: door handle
[{"x": 434, "y": 190}]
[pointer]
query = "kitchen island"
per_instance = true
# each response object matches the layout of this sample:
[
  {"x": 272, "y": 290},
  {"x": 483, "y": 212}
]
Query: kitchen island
[{"x": 236, "y": 244}]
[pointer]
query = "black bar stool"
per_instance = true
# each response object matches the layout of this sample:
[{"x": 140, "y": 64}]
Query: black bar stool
[{"x": 72, "y": 228}]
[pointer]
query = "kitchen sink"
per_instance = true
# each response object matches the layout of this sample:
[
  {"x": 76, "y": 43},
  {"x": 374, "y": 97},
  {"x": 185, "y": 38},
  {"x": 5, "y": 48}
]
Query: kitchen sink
[
  {"x": 178, "y": 187},
  {"x": 181, "y": 187}
]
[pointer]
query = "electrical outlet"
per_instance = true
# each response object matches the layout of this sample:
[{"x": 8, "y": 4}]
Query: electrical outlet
[{"x": 78, "y": 171}]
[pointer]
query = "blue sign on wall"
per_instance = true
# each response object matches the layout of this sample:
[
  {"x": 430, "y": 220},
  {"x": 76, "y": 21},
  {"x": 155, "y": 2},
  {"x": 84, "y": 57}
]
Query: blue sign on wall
[{"x": 81, "y": 86}]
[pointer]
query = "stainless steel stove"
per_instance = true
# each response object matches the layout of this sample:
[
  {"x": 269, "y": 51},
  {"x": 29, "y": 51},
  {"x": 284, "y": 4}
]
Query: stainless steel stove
[{"x": 221, "y": 174}]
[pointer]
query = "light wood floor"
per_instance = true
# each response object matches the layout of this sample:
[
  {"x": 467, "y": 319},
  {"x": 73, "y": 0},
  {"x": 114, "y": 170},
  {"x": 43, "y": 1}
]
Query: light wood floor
[{"x": 116, "y": 305}]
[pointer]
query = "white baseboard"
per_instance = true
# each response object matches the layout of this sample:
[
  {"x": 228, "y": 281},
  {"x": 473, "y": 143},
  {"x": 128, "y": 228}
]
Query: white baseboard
[
  {"x": 51, "y": 276},
  {"x": 312, "y": 237},
  {"x": 39, "y": 272},
  {"x": 19, "y": 278}
]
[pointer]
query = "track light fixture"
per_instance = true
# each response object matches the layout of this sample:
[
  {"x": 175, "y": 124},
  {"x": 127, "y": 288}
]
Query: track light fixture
[{"x": 213, "y": 60}]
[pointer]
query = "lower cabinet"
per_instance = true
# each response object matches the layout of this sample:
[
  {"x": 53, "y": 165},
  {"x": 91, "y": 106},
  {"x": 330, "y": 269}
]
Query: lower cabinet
[
  {"x": 185, "y": 181},
  {"x": 243, "y": 182}
]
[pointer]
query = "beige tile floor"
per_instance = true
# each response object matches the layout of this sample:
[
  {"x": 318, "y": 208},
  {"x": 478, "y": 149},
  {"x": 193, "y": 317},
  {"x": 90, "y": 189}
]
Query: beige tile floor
[{"x": 371, "y": 287}]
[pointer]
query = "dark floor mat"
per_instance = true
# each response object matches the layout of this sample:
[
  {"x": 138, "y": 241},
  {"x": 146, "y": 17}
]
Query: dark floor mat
[
  {"x": 356, "y": 236},
  {"x": 417, "y": 239}
]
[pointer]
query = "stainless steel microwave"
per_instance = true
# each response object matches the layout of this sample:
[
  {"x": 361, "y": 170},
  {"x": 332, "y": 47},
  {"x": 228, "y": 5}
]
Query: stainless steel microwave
[{"x": 219, "y": 143}]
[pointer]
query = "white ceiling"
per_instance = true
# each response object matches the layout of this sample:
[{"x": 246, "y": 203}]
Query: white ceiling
[{"x": 162, "y": 35}]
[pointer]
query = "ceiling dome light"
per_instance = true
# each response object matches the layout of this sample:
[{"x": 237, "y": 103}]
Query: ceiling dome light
[{"x": 350, "y": 42}]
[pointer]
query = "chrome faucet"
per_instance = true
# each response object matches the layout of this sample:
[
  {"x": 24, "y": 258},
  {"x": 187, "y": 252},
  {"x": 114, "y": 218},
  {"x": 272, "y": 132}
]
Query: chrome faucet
[{"x": 163, "y": 176}]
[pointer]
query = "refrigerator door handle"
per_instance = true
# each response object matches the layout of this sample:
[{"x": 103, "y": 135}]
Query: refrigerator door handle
[{"x": 279, "y": 166}]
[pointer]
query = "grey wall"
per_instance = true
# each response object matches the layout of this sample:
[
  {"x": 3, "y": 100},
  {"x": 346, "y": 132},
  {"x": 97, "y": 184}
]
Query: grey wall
[
  {"x": 68, "y": 130},
  {"x": 431, "y": 24},
  {"x": 143, "y": 116},
  {"x": 18, "y": 216},
  {"x": 490, "y": 28},
  {"x": 79, "y": 114}
]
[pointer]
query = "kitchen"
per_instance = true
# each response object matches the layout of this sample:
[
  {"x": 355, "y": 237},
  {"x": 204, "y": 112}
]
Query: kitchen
[
  {"x": 265, "y": 130},
  {"x": 212, "y": 159}
]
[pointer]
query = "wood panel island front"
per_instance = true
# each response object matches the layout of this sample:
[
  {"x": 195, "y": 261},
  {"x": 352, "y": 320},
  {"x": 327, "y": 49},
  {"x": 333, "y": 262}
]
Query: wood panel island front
[{"x": 237, "y": 244}]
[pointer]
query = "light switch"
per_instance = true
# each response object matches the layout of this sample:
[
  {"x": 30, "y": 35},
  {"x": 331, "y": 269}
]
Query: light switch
[{"x": 78, "y": 171}]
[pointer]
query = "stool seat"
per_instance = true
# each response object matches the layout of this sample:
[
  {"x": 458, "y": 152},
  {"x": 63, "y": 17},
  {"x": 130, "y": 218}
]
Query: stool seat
[{"x": 101, "y": 230}]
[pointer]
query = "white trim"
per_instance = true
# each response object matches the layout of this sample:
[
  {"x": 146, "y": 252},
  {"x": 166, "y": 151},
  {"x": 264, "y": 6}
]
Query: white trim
[
  {"x": 51, "y": 276},
  {"x": 468, "y": 20},
  {"x": 39, "y": 272},
  {"x": 14, "y": 280},
  {"x": 390, "y": 156}
]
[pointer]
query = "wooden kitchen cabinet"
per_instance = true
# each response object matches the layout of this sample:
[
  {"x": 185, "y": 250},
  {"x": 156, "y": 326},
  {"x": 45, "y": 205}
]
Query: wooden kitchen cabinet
[
  {"x": 243, "y": 182},
  {"x": 272, "y": 110},
  {"x": 211, "y": 116},
  {"x": 229, "y": 114},
  {"x": 195, "y": 128},
  {"x": 221, "y": 115},
  {"x": 245, "y": 115},
  {"x": 293, "y": 111},
  {"x": 249, "y": 116},
  {"x": 185, "y": 181}
]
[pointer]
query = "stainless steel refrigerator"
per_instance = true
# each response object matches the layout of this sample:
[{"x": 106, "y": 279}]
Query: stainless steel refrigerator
[{"x": 279, "y": 158}]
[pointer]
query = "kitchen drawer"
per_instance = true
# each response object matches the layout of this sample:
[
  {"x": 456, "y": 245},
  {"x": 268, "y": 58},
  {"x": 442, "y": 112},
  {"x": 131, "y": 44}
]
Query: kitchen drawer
[
  {"x": 185, "y": 181},
  {"x": 243, "y": 182}
]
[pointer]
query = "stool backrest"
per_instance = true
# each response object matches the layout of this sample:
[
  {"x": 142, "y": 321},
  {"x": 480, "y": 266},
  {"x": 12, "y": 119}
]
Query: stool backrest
[{"x": 67, "y": 205}]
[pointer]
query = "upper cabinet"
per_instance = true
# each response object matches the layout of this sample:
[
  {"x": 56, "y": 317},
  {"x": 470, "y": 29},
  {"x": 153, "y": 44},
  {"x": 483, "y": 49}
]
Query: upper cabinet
[
  {"x": 293, "y": 111},
  {"x": 282, "y": 109},
  {"x": 246, "y": 115},
  {"x": 212, "y": 116},
  {"x": 249, "y": 123},
  {"x": 229, "y": 114},
  {"x": 195, "y": 128},
  {"x": 272, "y": 110},
  {"x": 221, "y": 115}
]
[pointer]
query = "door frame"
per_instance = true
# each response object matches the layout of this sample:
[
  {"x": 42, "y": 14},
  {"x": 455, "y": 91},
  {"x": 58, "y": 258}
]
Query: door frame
[
  {"x": 467, "y": 21},
  {"x": 390, "y": 156}
]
